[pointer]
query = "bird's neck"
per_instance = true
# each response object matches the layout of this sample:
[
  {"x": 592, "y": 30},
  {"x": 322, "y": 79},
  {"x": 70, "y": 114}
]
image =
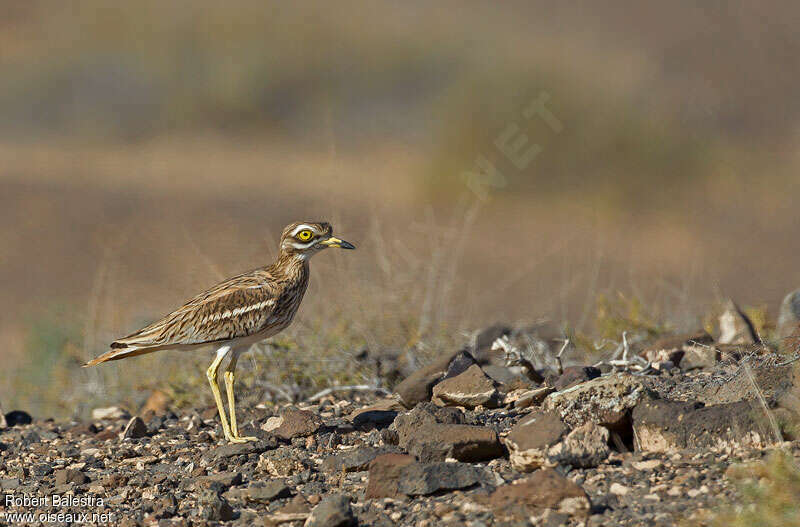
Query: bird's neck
[{"x": 291, "y": 264}]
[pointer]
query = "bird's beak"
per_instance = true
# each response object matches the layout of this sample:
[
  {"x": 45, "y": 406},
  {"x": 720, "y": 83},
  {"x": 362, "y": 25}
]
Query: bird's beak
[{"x": 336, "y": 242}]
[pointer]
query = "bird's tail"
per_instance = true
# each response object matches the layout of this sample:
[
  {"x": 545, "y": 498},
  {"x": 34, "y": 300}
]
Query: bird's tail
[{"x": 119, "y": 351}]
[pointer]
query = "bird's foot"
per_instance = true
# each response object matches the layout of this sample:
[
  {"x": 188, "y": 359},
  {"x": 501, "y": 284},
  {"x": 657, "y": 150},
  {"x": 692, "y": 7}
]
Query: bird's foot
[{"x": 241, "y": 439}]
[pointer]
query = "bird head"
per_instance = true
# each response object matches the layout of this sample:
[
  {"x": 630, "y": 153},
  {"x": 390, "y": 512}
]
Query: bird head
[{"x": 304, "y": 239}]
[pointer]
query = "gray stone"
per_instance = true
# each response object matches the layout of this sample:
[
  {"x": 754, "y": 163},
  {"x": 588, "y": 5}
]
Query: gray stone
[
  {"x": 584, "y": 447},
  {"x": 544, "y": 489},
  {"x": 262, "y": 492},
  {"x": 531, "y": 438},
  {"x": 239, "y": 449},
  {"x": 735, "y": 327},
  {"x": 214, "y": 507},
  {"x": 354, "y": 460},
  {"x": 607, "y": 400},
  {"x": 699, "y": 357},
  {"x": 788, "y": 330},
  {"x": 432, "y": 433},
  {"x": 469, "y": 389},
  {"x": 135, "y": 429},
  {"x": 332, "y": 511},
  {"x": 297, "y": 423},
  {"x": 661, "y": 426},
  {"x": 422, "y": 479},
  {"x": 418, "y": 387},
  {"x": 70, "y": 475}
]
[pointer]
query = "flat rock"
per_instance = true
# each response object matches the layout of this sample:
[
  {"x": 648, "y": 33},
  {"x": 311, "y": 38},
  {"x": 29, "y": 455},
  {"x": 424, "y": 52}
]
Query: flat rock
[
  {"x": 469, "y": 389},
  {"x": 70, "y": 475},
  {"x": 606, "y": 400},
  {"x": 418, "y": 387},
  {"x": 662, "y": 425},
  {"x": 240, "y": 449},
  {"x": 384, "y": 475},
  {"x": 699, "y": 357},
  {"x": 672, "y": 348},
  {"x": 332, "y": 511},
  {"x": 778, "y": 385},
  {"x": 214, "y": 507},
  {"x": 544, "y": 489},
  {"x": 523, "y": 398},
  {"x": 354, "y": 460},
  {"x": 378, "y": 415},
  {"x": 262, "y": 492},
  {"x": 574, "y": 375},
  {"x": 584, "y": 447},
  {"x": 422, "y": 479},
  {"x": 438, "y": 442},
  {"x": 433, "y": 433},
  {"x": 530, "y": 439},
  {"x": 297, "y": 423}
]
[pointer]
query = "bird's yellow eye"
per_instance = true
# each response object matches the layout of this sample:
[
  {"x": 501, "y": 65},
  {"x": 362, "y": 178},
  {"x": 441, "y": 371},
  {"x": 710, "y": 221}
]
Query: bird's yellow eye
[{"x": 305, "y": 235}]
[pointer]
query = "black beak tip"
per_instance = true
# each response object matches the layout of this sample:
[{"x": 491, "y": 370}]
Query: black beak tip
[{"x": 347, "y": 245}]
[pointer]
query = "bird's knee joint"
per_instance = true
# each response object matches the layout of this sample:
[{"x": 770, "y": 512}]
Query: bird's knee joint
[
  {"x": 229, "y": 376},
  {"x": 211, "y": 373}
]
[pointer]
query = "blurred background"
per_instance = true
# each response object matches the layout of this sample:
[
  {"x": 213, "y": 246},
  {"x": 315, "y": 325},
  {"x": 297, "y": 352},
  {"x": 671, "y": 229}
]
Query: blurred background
[{"x": 150, "y": 149}]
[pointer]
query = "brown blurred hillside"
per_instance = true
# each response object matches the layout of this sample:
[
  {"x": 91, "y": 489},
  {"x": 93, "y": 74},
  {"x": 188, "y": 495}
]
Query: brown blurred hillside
[{"x": 148, "y": 150}]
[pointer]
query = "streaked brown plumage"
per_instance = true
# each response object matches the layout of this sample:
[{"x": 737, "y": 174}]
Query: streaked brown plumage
[{"x": 236, "y": 313}]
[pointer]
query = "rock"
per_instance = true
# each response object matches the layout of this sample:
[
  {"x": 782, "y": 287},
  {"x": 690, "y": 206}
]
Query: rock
[
  {"x": 418, "y": 387},
  {"x": 214, "y": 507},
  {"x": 469, "y": 389},
  {"x": 378, "y": 415},
  {"x": 70, "y": 475},
  {"x": 265, "y": 492},
  {"x": 422, "y": 479},
  {"x": 438, "y": 442},
  {"x": 672, "y": 348},
  {"x": 663, "y": 425},
  {"x": 541, "y": 440},
  {"x": 283, "y": 462},
  {"x": 332, "y": 511},
  {"x": 18, "y": 417},
  {"x": 297, "y": 423},
  {"x": 544, "y": 489},
  {"x": 482, "y": 346},
  {"x": 354, "y": 460},
  {"x": 219, "y": 482},
  {"x": 607, "y": 401},
  {"x": 3, "y": 422},
  {"x": 531, "y": 438},
  {"x": 777, "y": 385},
  {"x": 523, "y": 398},
  {"x": 735, "y": 327},
  {"x": 699, "y": 357},
  {"x": 384, "y": 475},
  {"x": 788, "y": 330},
  {"x": 584, "y": 447},
  {"x": 618, "y": 489},
  {"x": 434, "y": 434},
  {"x": 574, "y": 375},
  {"x": 239, "y": 449},
  {"x": 112, "y": 412},
  {"x": 135, "y": 429}
]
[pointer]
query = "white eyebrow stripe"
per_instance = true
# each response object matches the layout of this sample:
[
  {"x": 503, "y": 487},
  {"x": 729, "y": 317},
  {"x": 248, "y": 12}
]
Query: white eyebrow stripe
[{"x": 302, "y": 227}]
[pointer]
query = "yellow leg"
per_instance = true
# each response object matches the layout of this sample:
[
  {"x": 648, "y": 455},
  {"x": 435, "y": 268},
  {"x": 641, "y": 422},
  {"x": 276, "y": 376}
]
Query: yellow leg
[
  {"x": 230, "y": 379},
  {"x": 211, "y": 373}
]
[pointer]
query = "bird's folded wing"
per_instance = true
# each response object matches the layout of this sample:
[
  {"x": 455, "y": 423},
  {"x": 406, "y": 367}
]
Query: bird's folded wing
[{"x": 238, "y": 307}]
